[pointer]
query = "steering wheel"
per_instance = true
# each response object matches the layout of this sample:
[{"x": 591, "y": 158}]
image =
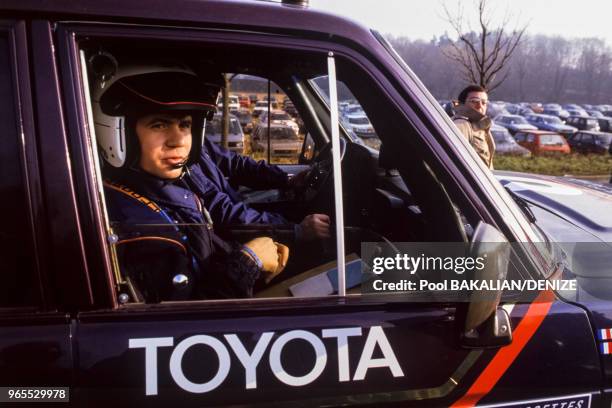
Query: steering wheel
[{"x": 322, "y": 167}]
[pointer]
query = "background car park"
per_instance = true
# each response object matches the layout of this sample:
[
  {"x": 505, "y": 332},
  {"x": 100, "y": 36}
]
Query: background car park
[
  {"x": 590, "y": 142},
  {"x": 279, "y": 117},
  {"x": 552, "y": 123},
  {"x": 543, "y": 142},
  {"x": 235, "y": 137},
  {"x": 583, "y": 123},
  {"x": 514, "y": 123},
  {"x": 605, "y": 124},
  {"x": 505, "y": 144},
  {"x": 284, "y": 141}
]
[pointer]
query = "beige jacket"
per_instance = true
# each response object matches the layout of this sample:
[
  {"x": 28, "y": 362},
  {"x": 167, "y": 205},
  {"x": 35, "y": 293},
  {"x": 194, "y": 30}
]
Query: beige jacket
[{"x": 477, "y": 130}]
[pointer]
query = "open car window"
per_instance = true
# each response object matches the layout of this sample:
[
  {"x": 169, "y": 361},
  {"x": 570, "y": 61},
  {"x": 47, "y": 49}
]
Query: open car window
[{"x": 390, "y": 192}]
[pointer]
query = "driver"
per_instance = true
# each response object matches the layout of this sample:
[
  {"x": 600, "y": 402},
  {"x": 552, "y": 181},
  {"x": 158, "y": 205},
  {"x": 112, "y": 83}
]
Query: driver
[
  {"x": 149, "y": 123},
  {"x": 225, "y": 168}
]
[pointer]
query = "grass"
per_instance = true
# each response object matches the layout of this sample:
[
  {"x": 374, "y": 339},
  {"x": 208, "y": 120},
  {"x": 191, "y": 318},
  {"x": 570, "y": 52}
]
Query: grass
[{"x": 573, "y": 164}]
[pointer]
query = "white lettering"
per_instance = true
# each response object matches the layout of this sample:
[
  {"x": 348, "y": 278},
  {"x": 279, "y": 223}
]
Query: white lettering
[
  {"x": 275, "y": 358},
  {"x": 377, "y": 336},
  {"x": 150, "y": 345},
  {"x": 249, "y": 362},
  {"x": 343, "y": 353},
  {"x": 176, "y": 360}
]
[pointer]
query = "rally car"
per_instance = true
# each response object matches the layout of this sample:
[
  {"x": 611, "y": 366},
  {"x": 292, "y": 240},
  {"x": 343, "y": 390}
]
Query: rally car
[{"x": 69, "y": 318}]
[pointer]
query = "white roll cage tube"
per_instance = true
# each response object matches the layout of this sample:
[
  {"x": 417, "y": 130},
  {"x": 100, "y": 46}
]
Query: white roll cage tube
[{"x": 339, "y": 205}]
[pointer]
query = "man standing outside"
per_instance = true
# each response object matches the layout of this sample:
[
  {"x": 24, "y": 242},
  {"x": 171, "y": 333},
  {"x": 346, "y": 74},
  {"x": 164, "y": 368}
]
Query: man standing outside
[{"x": 471, "y": 119}]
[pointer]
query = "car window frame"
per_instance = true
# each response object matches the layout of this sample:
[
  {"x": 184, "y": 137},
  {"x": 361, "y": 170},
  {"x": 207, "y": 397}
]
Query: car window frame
[
  {"x": 79, "y": 30},
  {"x": 37, "y": 234}
]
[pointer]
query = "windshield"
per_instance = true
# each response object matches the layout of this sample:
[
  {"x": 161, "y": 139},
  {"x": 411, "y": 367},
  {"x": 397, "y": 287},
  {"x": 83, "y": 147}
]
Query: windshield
[{"x": 555, "y": 140}]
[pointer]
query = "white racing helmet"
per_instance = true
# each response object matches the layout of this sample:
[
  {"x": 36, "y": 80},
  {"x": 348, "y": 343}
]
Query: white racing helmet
[{"x": 122, "y": 94}]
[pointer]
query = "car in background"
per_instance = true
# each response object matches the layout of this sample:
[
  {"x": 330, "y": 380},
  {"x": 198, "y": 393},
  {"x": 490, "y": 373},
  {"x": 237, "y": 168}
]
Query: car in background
[
  {"x": 577, "y": 112},
  {"x": 542, "y": 142},
  {"x": 360, "y": 125},
  {"x": 246, "y": 119},
  {"x": 513, "y": 108},
  {"x": 234, "y": 103},
  {"x": 572, "y": 106},
  {"x": 244, "y": 100},
  {"x": 595, "y": 113},
  {"x": 505, "y": 144},
  {"x": 284, "y": 141},
  {"x": 279, "y": 117},
  {"x": 235, "y": 136},
  {"x": 583, "y": 123},
  {"x": 605, "y": 124},
  {"x": 514, "y": 123},
  {"x": 353, "y": 109},
  {"x": 558, "y": 112},
  {"x": 524, "y": 111},
  {"x": 552, "y": 123},
  {"x": 590, "y": 142},
  {"x": 496, "y": 109},
  {"x": 289, "y": 107},
  {"x": 260, "y": 107}
]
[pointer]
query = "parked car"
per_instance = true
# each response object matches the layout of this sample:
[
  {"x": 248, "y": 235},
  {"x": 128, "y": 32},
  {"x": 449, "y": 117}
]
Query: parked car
[
  {"x": 235, "y": 137},
  {"x": 244, "y": 100},
  {"x": 289, "y": 107},
  {"x": 577, "y": 112},
  {"x": 595, "y": 114},
  {"x": 279, "y": 117},
  {"x": 234, "y": 103},
  {"x": 583, "y": 123},
  {"x": 495, "y": 109},
  {"x": 542, "y": 142},
  {"x": 552, "y": 123},
  {"x": 513, "y": 108},
  {"x": 246, "y": 120},
  {"x": 605, "y": 124},
  {"x": 514, "y": 123},
  {"x": 558, "y": 112},
  {"x": 505, "y": 143},
  {"x": 71, "y": 316},
  {"x": 590, "y": 142},
  {"x": 284, "y": 141},
  {"x": 360, "y": 124},
  {"x": 572, "y": 106},
  {"x": 260, "y": 107}
]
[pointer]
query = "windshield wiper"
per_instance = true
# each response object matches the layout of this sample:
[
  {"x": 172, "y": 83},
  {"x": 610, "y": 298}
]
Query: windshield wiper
[{"x": 524, "y": 205}]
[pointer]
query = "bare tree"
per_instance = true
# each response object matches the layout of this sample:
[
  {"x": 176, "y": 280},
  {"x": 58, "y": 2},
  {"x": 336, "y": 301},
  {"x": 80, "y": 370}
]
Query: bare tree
[{"x": 483, "y": 53}]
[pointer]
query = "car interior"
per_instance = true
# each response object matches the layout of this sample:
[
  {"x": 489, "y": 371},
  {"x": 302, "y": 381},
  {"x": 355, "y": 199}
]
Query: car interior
[{"x": 389, "y": 194}]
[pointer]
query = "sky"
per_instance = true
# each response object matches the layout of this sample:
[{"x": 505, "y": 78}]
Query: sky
[{"x": 423, "y": 18}]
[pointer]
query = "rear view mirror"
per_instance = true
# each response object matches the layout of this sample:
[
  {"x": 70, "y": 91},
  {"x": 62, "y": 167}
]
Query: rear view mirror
[{"x": 485, "y": 325}]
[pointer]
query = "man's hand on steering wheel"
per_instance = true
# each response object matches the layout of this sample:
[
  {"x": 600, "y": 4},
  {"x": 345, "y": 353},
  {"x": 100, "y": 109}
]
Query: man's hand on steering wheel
[
  {"x": 314, "y": 226},
  {"x": 298, "y": 181}
]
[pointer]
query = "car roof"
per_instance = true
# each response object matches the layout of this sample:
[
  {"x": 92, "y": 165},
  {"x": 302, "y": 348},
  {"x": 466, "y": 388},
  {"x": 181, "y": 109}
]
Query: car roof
[
  {"x": 592, "y": 132},
  {"x": 265, "y": 16},
  {"x": 539, "y": 132}
]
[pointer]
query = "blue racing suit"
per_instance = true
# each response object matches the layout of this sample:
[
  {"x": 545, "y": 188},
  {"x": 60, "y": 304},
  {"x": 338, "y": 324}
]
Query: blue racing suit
[
  {"x": 219, "y": 169},
  {"x": 165, "y": 234}
]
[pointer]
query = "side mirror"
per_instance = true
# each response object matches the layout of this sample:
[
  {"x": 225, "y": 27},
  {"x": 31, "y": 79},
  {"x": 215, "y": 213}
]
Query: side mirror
[{"x": 486, "y": 325}]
